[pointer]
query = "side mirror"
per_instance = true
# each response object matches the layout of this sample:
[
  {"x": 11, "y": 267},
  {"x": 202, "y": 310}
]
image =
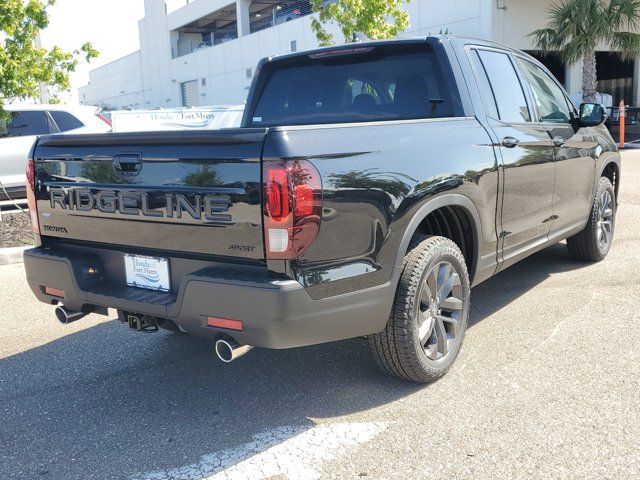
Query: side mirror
[{"x": 592, "y": 115}]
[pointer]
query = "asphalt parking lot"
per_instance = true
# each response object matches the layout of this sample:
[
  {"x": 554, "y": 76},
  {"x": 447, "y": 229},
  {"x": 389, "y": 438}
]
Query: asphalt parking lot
[{"x": 547, "y": 386}]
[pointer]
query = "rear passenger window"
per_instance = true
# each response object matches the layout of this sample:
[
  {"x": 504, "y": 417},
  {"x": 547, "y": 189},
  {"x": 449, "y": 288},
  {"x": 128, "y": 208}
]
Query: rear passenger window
[
  {"x": 374, "y": 85},
  {"x": 483, "y": 84},
  {"x": 65, "y": 121},
  {"x": 506, "y": 87},
  {"x": 25, "y": 123}
]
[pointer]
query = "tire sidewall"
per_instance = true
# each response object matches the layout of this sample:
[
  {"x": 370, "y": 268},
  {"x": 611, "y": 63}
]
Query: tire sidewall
[
  {"x": 443, "y": 254},
  {"x": 603, "y": 185}
]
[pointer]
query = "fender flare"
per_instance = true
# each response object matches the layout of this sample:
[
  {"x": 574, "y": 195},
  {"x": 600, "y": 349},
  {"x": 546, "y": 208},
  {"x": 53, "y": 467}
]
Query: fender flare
[
  {"x": 446, "y": 200},
  {"x": 611, "y": 160}
]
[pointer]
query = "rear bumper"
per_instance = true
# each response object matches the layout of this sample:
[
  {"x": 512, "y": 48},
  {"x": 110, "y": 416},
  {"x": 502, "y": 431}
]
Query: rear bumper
[{"x": 275, "y": 313}]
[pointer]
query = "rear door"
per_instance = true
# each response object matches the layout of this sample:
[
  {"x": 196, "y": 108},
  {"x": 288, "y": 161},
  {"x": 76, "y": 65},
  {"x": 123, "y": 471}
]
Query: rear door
[
  {"x": 526, "y": 155},
  {"x": 187, "y": 192}
]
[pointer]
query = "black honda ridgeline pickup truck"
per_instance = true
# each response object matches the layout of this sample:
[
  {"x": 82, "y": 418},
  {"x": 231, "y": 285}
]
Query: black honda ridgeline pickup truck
[{"x": 369, "y": 188}]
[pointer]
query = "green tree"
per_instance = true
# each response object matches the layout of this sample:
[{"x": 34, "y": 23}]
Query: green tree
[
  {"x": 576, "y": 27},
  {"x": 376, "y": 19},
  {"x": 24, "y": 66},
  {"x": 101, "y": 172},
  {"x": 206, "y": 177}
]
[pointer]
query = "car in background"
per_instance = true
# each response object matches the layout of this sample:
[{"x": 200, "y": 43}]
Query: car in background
[
  {"x": 292, "y": 11},
  {"x": 295, "y": 9},
  {"x": 26, "y": 122}
]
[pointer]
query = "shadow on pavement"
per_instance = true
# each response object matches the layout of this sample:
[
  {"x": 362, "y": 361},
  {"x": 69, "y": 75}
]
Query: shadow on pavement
[
  {"x": 107, "y": 403},
  {"x": 499, "y": 291}
]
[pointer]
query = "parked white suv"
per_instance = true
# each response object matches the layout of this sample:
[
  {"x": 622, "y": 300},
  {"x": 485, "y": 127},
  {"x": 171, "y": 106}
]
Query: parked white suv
[{"x": 29, "y": 121}]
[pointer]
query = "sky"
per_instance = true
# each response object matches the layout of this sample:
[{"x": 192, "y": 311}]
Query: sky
[{"x": 110, "y": 25}]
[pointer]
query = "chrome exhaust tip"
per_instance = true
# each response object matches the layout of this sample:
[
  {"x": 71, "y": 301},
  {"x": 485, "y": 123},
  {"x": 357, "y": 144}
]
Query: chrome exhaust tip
[
  {"x": 229, "y": 350},
  {"x": 65, "y": 316}
]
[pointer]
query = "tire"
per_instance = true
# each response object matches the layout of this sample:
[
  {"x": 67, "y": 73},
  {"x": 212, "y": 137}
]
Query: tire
[
  {"x": 425, "y": 331},
  {"x": 594, "y": 242}
]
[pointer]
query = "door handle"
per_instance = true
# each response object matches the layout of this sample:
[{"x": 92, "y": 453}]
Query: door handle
[
  {"x": 558, "y": 141},
  {"x": 127, "y": 164},
  {"x": 510, "y": 142}
]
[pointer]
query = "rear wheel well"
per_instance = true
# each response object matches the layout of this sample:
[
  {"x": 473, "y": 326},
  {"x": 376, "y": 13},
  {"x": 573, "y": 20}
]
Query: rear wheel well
[
  {"x": 612, "y": 173},
  {"x": 454, "y": 223}
]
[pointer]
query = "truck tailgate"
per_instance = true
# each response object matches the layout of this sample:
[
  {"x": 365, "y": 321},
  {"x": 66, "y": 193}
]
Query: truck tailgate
[{"x": 196, "y": 192}]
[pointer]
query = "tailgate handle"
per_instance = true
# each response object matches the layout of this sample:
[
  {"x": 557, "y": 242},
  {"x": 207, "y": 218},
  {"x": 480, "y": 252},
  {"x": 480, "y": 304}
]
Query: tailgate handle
[{"x": 127, "y": 163}]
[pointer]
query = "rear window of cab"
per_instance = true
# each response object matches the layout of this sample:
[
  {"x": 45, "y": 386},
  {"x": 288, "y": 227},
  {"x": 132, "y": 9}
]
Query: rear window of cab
[{"x": 375, "y": 84}]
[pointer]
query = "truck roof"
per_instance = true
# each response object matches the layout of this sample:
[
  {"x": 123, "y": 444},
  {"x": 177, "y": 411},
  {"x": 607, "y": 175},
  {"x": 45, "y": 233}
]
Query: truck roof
[{"x": 394, "y": 41}]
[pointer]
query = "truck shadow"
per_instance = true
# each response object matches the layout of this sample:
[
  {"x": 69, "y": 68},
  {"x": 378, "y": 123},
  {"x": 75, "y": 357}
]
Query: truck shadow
[
  {"x": 510, "y": 284},
  {"x": 106, "y": 403}
]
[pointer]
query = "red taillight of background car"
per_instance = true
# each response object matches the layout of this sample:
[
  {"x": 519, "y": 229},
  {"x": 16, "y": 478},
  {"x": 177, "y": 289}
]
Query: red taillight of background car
[
  {"x": 292, "y": 207},
  {"x": 104, "y": 119},
  {"x": 31, "y": 196}
]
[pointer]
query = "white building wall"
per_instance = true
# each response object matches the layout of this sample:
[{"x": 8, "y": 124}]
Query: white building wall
[
  {"x": 116, "y": 84},
  {"x": 513, "y": 20},
  {"x": 224, "y": 67},
  {"x": 155, "y": 57},
  {"x": 458, "y": 17}
]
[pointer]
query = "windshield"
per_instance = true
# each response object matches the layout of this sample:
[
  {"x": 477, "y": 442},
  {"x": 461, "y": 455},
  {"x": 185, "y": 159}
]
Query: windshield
[{"x": 365, "y": 87}]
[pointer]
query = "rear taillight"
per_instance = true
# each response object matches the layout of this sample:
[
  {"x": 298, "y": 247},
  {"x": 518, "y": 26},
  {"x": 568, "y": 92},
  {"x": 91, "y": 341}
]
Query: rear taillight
[
  {"x": 31, "y": 196},
  {"x": 104, "y": 119},
  {"x": 292, "y": 207}
]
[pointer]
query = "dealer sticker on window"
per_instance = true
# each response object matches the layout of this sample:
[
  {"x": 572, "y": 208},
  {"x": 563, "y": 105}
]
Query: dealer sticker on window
[{"x": 147, "y": 272}]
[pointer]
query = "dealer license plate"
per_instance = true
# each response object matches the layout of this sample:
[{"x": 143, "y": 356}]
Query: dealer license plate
[{"x": 147, "y": 272}]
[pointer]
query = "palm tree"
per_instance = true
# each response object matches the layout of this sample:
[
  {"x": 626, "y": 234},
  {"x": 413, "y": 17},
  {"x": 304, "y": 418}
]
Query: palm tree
[{"x": 576, "y": 27}]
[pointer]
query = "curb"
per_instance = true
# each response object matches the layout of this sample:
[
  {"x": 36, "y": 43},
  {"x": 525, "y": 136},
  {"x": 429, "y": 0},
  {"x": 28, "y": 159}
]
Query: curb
[{"x": 11, "y": 255}]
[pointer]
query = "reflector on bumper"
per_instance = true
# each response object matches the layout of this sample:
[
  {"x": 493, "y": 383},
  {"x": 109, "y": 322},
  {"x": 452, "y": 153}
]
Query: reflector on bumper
[{"x": 224, "y": 323}]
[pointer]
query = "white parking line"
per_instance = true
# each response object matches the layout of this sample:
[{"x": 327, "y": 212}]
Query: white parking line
[{"x": 297, "y": 453}]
